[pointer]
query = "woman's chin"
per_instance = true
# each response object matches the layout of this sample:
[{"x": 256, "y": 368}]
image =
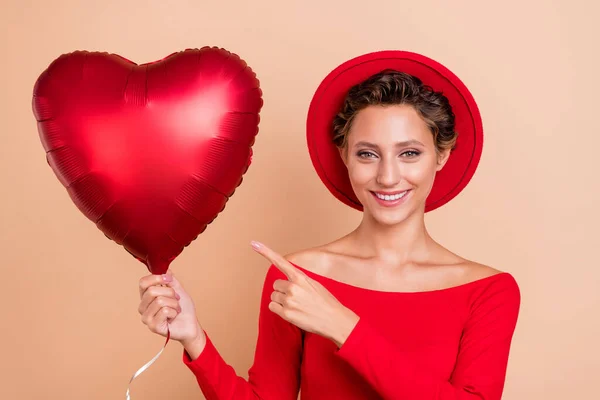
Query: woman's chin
[
  {"x": 390, "y": 220},
  {"x": 389, "y": 216}
]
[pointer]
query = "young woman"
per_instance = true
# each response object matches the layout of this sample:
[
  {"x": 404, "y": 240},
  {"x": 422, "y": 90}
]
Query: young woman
[{"x": 384, "y": 312}]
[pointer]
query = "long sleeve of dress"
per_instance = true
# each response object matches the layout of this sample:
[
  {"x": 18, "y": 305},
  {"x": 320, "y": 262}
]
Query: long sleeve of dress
[
  {"x": 481, "y": 365},
  {"x": 275, "y": 373}
]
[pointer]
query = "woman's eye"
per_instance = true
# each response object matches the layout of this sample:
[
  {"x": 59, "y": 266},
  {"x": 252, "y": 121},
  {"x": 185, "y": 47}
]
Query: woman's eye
[
  {"x": 410, "y": 153},
  {"x": 365, "y": 154}
]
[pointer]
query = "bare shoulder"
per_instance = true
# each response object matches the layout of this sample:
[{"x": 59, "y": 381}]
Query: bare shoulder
[
  {"x": 504, "y": 289},
  {"x": 315, "y": 259},
  {"x": 478, "y": 270},
  {"x": 459, "y": 269},
  {"x": 473, "y": 271}
]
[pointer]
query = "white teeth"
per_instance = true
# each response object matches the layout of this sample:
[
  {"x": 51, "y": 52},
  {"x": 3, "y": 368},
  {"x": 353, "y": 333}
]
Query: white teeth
[{"x": 391, "y": 198}]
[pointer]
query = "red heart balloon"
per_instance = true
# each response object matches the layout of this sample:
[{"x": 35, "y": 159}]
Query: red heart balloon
[{"x": 152, "y": 152}]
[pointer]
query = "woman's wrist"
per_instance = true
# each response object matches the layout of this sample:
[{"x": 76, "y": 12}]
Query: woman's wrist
[
  {"x": 196, "y": 344},
  {"x": 344, "y": 327}
]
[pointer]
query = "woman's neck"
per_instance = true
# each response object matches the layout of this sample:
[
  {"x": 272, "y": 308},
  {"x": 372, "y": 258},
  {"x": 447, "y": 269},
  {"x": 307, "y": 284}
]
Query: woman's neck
[{"x": 397, "y": 244}]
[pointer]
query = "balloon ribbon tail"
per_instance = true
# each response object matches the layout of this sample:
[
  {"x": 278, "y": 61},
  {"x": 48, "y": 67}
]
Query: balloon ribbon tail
[{"x": 147, "y": 365}]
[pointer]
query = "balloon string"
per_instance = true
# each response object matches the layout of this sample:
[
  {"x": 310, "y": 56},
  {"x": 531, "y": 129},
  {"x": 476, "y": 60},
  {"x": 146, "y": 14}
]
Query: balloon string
[{"x": 147, "y": 365}]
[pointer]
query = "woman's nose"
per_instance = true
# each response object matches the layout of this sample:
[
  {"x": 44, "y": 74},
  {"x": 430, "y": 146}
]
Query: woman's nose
[{"x": 389, "y": 174}]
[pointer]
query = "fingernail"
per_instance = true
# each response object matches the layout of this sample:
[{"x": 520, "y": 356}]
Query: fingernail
[
  {"x": 167, "y": 278},
  {"x": 255, "y": 245},
  {"x": 177, "y": 296}
]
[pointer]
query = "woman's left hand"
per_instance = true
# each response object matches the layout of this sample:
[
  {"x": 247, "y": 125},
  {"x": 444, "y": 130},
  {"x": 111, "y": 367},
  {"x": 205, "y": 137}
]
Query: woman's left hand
[{"x": 305, "y": 303}]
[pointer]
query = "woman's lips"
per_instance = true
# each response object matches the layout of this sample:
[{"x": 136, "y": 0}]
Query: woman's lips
[{"x": 394, "y": 201}]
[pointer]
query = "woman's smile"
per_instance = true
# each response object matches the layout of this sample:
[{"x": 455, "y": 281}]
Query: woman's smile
[{"x": 391, "y": 199}]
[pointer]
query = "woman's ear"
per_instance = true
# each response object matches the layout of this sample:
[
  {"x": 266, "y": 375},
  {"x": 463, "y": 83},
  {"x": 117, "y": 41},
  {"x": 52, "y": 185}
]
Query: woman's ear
[
  {"x": 344, "y": 154},
  {"x": 442, "y": 158}
]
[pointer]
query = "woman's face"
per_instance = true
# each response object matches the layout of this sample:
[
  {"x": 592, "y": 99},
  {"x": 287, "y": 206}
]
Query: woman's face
[{"x": 392, "y": 161}]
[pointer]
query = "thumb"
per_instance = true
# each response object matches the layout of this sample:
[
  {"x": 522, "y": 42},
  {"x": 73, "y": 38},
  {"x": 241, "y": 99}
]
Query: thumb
[{"x": 175, "y": 284}]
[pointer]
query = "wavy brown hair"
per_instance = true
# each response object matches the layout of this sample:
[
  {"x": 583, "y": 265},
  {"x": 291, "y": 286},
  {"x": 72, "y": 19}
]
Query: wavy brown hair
[{"x": 391, "y": 87}]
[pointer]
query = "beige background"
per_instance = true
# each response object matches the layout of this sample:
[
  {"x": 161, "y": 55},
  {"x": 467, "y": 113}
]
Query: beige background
[{"x": 70, "y": 328}]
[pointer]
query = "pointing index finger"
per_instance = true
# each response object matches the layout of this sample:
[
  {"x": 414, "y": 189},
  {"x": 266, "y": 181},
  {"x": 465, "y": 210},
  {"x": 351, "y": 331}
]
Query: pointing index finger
[{"x": 276, "y": 259}]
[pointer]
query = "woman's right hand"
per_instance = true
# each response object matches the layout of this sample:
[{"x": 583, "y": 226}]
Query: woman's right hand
[{"x": 166, "y": 305}]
